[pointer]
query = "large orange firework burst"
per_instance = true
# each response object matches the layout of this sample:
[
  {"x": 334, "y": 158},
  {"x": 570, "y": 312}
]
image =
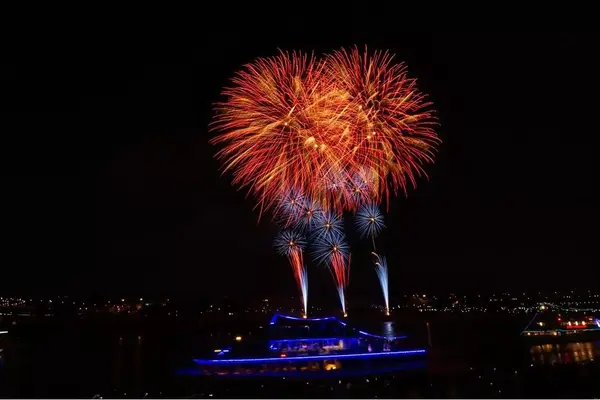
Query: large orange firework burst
[{"x": 341, "y": 130}]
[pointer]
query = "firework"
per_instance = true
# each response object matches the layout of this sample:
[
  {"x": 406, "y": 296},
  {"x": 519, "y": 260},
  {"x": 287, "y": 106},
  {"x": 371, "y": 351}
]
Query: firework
[
  {"x": 290, "y": 207},
  {"x": 328, "y": 246},
  {"x": 333, "y": 250},
  {"x": 291, "y": 244},
  {"x": 360, "y": 188},
  {"x": 328, "y": 224},
  {"x": 382, "y": 275},
  {"x": 369, "y": 221},
  {"x": 275, "y": 122},
  {"x": 308, "y": 218},
  {"x": 349, "y": 128},
  {"x": 390, "y": 121},
  {"x": 310, "y": 139}
]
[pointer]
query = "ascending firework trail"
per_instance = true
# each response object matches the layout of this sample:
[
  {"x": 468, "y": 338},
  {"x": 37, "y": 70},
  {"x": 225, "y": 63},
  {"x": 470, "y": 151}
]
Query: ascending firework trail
[
  {"x": 292, "y": 244},
  {"x": 333, "y": 250},
  {"x": 369, "y": 223}
]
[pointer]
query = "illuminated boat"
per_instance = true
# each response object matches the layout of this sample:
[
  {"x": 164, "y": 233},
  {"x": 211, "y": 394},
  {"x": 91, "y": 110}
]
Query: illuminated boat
[
  {"x": 558, "y": 324},
  {"x": 308, "y": 346}
]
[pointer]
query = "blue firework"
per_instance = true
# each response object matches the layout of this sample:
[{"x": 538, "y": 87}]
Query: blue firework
[
  {"x": 291, "y": 206},
  {"x": 369, "y": 220},
  {"x": 327, "y": 246},
  {"x": 308, "y": 218},
  {"x": 289, "y": 241},
  {"x": 328, "y": 223}
]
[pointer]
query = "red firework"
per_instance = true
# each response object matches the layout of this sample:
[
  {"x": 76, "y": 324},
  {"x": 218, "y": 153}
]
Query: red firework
[
  {"x": 348, "y": 128},
  {"x": 390, "y": 121}
]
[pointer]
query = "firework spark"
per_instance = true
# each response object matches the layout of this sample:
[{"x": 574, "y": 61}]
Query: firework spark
[
  {"x": 382, "y": 275},
  {"x": 291, "y": 244},
  {"x": 292, "y": 122}
]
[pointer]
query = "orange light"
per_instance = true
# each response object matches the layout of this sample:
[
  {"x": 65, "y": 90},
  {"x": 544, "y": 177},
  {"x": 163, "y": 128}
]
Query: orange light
[{"x": 238, "y": 338}]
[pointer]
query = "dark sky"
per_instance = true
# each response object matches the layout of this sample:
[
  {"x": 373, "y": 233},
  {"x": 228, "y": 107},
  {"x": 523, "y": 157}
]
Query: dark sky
[{"x": 110, "y": 184}]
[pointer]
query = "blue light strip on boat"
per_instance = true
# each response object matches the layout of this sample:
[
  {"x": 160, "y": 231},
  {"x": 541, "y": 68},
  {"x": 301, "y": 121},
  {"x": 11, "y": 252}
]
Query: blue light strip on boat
[
  {"x": 274, "y": 319},
  {"x": 300, "y": 318},
  {"x": 381, "y": 337},
  {"x": 310, "y": 358}
]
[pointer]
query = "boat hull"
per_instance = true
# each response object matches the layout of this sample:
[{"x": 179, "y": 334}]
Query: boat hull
[
  {"x": 332, "y": 364},
  {"x": 587, "y": 336}
]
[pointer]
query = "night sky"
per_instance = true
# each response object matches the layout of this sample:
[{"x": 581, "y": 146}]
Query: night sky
[{"x": 109, "y": 183}]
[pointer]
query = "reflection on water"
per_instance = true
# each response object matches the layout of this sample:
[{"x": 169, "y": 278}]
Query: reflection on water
[
  {"x": 388, "y": 329},
  {"x": 116, "y": 362},
  {"x": 566, "y": 353}
]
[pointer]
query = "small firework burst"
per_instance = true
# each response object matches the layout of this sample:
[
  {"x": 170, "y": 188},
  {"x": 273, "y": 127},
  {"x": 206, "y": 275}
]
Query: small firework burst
[
  {"x": 289, "y": 241},
  {"x": 328, "y": 224},
  {"x": 328, "y": 247},
  {"x": 369, "y": 220}
]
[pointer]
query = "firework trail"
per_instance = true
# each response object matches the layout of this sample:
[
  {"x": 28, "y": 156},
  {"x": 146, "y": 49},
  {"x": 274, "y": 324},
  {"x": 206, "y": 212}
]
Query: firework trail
[
  {"x": 333, "y": 250},
  {"x": 291, "y": 244},
  {"x": 369, "y": 222},
  {"x": 350, "y": 126},
  {"x": 382, "y": 275}
]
